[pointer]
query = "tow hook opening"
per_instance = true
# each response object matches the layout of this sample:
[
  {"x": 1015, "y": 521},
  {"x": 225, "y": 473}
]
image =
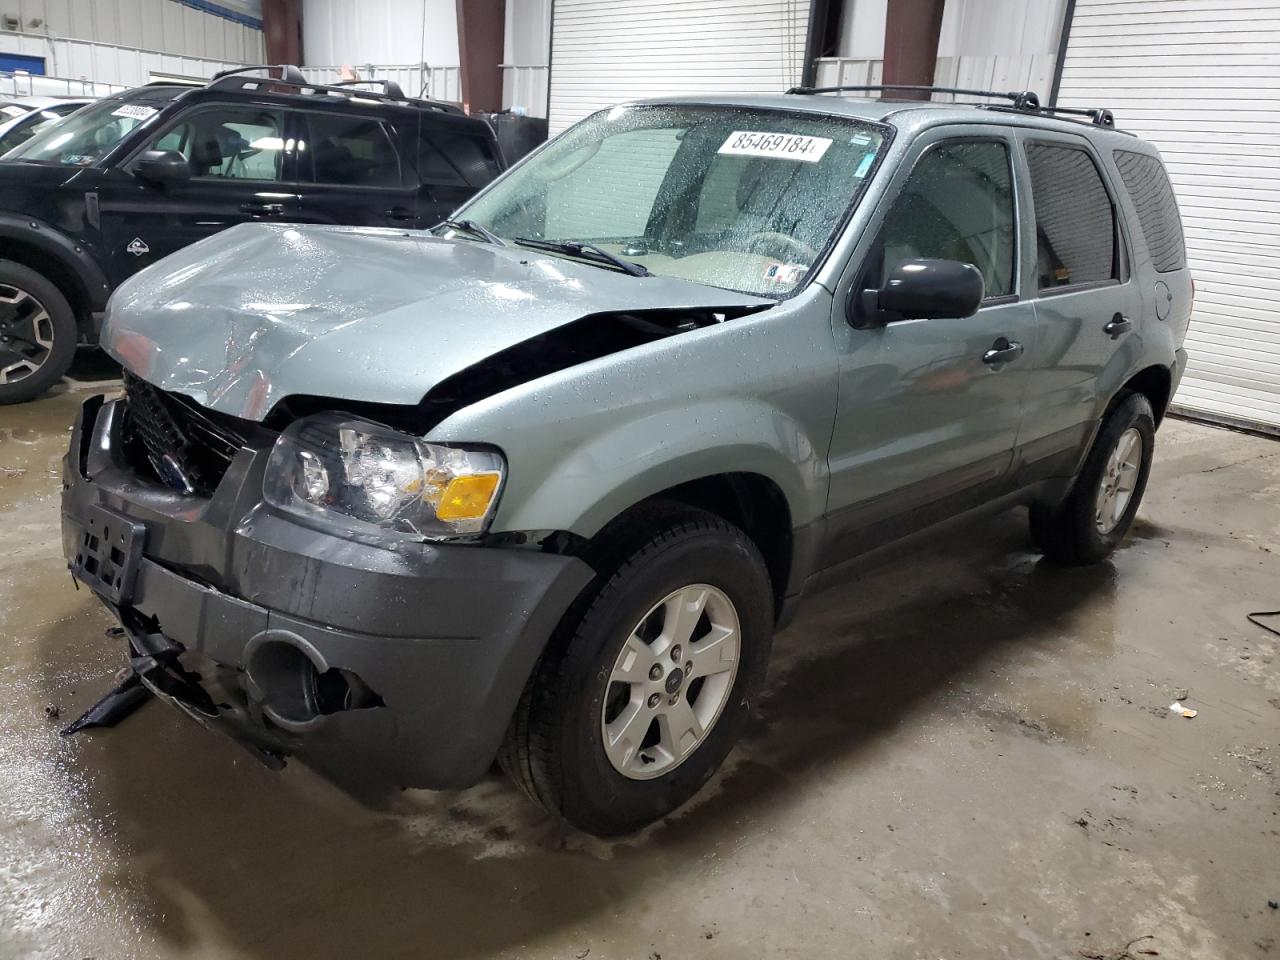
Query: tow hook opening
[{"x": 294, "y": 693}]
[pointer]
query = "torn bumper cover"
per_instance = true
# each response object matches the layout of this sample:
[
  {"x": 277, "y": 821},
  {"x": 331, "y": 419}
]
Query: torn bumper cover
[{"x": 368, "y": 664}]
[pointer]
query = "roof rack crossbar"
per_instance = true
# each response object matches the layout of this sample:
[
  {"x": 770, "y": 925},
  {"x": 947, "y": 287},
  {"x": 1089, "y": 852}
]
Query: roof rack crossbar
[
  {"x": 1099, "y": 116},
  {"x": 390, "y": 86},
  {"x": 288, "y": 73},
  {"x": 1021, "y": 99}
]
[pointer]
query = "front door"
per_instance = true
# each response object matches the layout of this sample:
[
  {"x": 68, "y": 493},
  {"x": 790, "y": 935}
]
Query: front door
[
  {"x": 239, "y": 170},
  {"x": 929, "y": 410},
  {"x": 1088, "y": 306}
]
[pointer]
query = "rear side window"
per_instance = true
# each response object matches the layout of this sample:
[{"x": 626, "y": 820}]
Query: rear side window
[
  {"x": 1075, "y": 220},
  {"x": 351, "y": 151},
  {"x": 1152, "y": 195}
]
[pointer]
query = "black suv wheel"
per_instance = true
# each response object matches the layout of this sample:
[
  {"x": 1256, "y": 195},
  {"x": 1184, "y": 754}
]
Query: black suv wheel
[{"x": 37, "y": 333}]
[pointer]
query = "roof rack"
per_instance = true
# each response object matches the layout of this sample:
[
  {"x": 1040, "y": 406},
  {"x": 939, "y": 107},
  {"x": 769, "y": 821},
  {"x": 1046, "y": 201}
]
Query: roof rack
[
  {"x": 1023, "y": 101},
  {"x": 390, "y": 86},
  {"x": 291, "y": 76},
  {"x": 288, "y": 73}
]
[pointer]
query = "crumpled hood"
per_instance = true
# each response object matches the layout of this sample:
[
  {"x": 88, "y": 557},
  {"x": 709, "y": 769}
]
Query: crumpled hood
[{"x": 264, "y": 311}]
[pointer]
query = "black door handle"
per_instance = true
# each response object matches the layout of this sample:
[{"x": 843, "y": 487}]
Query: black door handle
[
  {"x": 1001, "y": 352},
  {"x": 262, "y": 208},
  {"x": 1117, "y": 325},
  {"x": 398, "y": 213}
]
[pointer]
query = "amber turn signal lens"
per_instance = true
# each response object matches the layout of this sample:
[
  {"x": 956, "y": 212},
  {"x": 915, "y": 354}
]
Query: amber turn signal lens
[{"x": 467, "y": 498}]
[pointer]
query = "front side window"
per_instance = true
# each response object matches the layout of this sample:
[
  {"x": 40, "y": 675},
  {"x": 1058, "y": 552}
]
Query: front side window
[
  {"x": 957, "y": 204},
  {"x": 228, "y": 143},
  {"x": 351, "y": 151},
  {"x": 744, "y": 199},
  {"x": 88, "y": 134},
  {"x": 1075, "y": 221}
]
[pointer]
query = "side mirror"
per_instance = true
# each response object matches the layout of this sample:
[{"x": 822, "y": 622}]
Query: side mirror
[
  {"x": 162, "y": 166},
  {"x": 920, "y": 290}
]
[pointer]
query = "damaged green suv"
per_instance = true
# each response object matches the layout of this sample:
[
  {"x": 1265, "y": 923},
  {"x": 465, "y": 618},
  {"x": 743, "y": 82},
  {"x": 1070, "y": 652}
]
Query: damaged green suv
[{"x": 539, "y": 485}]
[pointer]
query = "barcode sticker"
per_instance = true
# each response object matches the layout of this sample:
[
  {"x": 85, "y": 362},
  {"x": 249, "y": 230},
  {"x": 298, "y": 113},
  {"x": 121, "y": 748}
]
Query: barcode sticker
[
  {"x": 134, "y": 110},
  {"x": 784, "y": 146}
]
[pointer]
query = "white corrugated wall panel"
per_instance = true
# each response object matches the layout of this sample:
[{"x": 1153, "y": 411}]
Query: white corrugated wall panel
[
  {"x": 1201, "y": 80},
  {"x": 158, "y": 25},
  {"x": 603, "y": 53},
  {"x": 75, "y": 66}
]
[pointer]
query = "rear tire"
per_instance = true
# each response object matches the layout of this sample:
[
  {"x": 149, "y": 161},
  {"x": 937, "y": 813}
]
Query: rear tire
[
  {"x": 614, "y": 658},
  {"x": 37, "y": 333},
  {"x": 1090, "y": 523}
]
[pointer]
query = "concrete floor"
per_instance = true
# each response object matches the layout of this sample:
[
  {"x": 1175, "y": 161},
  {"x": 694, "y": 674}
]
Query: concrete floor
[{"x": 966, "y": 755}]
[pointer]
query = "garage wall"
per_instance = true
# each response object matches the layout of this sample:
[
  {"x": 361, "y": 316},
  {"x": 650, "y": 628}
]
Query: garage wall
[
  {"x": 159, "y": 25},
  {"x": 1201, "y": 79},
  {"x": 95, "y": 69},
  {"x": 602, "y": 53},
  {"x": 358, "y": 32}
]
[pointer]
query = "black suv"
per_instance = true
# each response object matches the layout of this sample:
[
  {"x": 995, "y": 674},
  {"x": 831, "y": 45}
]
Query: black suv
[{"x": 136, "y": 176}]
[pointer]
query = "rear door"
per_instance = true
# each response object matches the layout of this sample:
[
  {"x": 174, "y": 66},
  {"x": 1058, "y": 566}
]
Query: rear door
[
  {"x": 928, "y": 415},
  {"x": 1087, "y": 304},
  {"x": 352, "y": 173},
  {"x": 240, "y": 172}
]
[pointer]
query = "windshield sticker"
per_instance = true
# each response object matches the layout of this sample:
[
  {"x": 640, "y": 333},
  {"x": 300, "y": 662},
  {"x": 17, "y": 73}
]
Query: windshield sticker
[
  {"x": 783, "y": 146},
  {"x": 865, "y": 165},
  {"x": 13, "y": 111},
  {"x": 785, "y": 272},
  {"x": 134, "y": 110}
]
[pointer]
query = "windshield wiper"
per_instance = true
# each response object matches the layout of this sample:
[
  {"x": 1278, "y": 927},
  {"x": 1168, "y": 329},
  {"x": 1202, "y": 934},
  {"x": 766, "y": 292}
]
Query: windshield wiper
[
  {"x": 588, "y": 251},
  {"x": 475, "y": 229}
]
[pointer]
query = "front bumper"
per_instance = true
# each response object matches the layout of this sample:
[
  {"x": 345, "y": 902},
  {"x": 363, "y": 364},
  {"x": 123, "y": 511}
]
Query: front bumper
[{"x": 438, "y": 639}]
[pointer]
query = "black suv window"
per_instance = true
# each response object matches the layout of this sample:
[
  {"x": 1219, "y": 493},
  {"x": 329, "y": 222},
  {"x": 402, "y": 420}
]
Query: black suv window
[
  {"x": 1152, "y": 194},
  {"x": 351, "y": 151},
  {"x": 454, "y": 158},
  {"x": 956, "y": 205},
  {"x": 1075, "y": 220},
  {"x": 228, "y": 143}
]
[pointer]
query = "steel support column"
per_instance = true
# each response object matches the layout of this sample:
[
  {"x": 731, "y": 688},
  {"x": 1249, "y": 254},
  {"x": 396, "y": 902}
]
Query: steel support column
[{"x": 911, "y": 32}]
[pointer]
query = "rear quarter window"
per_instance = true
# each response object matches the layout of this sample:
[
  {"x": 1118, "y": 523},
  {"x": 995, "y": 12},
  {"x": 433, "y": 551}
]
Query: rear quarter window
[{"x": 1148, "y": 187}]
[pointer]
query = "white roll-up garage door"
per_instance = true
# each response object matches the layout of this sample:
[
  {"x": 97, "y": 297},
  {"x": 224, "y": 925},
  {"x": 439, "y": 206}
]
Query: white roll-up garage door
[
  {"x": 604, "y": 52},
  {"x": 1201, "y": 80}
]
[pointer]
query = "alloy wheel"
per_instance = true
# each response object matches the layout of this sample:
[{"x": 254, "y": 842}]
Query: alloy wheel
[
  {"x": 671, "y": 681},
  {"x": 26, "y": 334},
  {"x": 1118, "y": 481}
]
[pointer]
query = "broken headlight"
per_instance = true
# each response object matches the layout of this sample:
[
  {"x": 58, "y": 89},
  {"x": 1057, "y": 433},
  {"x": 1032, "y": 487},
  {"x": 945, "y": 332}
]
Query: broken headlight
[{"x": 361, "y": 477}]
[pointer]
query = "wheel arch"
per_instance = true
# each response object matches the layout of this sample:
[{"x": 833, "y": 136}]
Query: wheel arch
[
  {"x": 752, "y": 502},
  {"x": 66, "y": 265},
  {"x": 1155, "y": 383}
]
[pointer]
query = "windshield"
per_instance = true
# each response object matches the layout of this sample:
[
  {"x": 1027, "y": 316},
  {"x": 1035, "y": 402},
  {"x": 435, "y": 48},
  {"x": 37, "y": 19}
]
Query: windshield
[
  {"x": 25, "y": 127},
  {"x": 87, "y": 134},
  {"x": 743, "y": 199}
]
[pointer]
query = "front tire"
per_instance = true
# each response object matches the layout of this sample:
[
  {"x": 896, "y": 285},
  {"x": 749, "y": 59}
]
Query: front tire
[
  {"x": 37, "y": 333},
  {"x": 644, "y": 690},
  {"x": 1090, "y": 523}
]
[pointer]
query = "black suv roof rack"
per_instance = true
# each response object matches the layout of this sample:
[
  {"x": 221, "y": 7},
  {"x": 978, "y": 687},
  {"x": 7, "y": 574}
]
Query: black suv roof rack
[
  {"x": 391, "y": 88},
  {"x": 1023, "y": 101},
  {"x": 290, "y": 76}
]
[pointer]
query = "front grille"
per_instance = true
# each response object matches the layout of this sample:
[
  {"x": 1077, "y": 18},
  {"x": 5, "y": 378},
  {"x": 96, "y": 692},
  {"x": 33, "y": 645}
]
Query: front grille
[{"x": 171, "y": 439}]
